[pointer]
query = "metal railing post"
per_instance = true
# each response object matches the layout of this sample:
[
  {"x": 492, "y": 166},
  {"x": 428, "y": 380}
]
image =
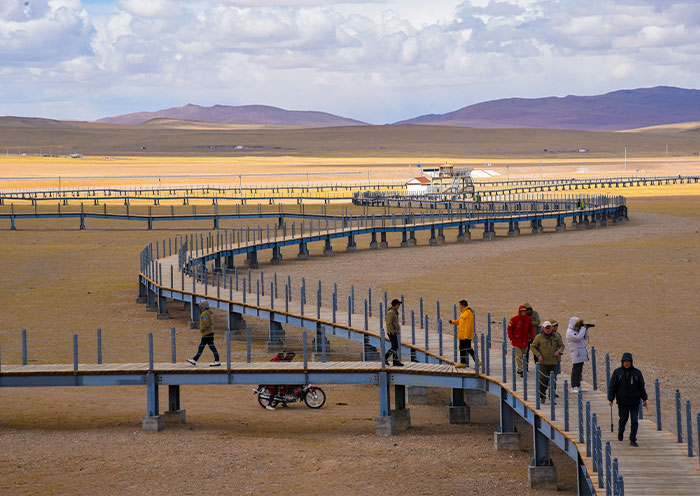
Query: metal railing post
[
  {"x": 657, "y": 403},
  {"x": 99, "y": 345},
  {"x": 679, "y": 425},
  {"x": 75, "y": 352}
]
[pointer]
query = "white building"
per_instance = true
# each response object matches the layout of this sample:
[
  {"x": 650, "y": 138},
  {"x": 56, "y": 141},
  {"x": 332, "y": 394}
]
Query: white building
[{"x": 418, "y": 186}]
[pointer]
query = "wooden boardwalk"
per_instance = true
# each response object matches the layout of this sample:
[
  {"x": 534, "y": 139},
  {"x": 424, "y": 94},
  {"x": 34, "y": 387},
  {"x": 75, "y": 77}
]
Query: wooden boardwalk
[
  {"x": 659, "y": 466},
  {"x": 236, "y": 367}
]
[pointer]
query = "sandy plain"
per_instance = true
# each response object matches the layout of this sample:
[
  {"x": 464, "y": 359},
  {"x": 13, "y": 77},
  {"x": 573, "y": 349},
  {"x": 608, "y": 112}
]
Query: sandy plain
[{"x": 638, "y": 281}]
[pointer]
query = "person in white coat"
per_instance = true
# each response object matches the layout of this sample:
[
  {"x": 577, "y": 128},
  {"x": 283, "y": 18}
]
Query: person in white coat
[{"x": 576, "y": 342}]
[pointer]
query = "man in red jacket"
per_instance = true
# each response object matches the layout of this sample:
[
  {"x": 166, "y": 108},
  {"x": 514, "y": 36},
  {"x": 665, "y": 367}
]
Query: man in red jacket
[{"x": 520, "y": 333}]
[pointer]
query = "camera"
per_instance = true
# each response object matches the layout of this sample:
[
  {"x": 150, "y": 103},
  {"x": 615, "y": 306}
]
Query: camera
[{"x": 588, "y": 325}]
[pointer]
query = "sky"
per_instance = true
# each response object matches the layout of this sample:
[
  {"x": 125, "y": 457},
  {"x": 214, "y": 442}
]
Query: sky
[{"x": 378, "y": 61}]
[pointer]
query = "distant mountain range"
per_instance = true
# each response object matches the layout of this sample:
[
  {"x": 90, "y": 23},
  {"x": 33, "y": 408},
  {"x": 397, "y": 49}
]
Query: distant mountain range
[
  {"x": 618, "y": 110},
  {"x": 244, "y": 114},
  {"x": 624, "y": 109}
]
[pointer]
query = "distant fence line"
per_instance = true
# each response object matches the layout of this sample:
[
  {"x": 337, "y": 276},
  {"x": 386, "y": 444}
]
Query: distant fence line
[
  {"x": 326, "y": 192},
  {"x": 208, "y": 192}
]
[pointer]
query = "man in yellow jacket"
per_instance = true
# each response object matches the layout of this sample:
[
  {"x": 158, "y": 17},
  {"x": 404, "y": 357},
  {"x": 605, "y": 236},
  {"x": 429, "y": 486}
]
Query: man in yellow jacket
[{"x": 465, "y": 331}]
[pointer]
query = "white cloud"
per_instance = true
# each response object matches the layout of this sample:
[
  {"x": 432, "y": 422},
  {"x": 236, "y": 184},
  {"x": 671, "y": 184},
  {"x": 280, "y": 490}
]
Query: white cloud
[
  {"x": 43, "y": 32},
  {"x": 374, "y": 60}
]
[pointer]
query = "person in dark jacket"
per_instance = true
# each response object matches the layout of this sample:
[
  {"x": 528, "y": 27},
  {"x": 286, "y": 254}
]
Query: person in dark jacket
[{"x": 627, "y": 386}]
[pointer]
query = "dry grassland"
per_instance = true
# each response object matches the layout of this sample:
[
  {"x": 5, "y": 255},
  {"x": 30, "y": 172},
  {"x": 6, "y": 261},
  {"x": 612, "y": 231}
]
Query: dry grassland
[
  {"x": 43, "y": 172},
  {"x": 638, "y": 281}
]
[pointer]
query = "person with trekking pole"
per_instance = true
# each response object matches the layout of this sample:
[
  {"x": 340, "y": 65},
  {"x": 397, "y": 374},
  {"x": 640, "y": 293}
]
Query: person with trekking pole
[{"x": 627, "y": 387}]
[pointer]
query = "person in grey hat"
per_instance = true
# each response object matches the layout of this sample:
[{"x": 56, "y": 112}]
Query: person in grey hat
[
  {"x": 627, "y": 387},
  {"x": 206, "y": 328}
]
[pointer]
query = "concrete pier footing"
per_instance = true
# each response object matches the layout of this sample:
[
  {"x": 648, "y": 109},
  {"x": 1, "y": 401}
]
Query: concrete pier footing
[
  {"x": 403, "y": 419},
  {"x": 175, "y": 417},
  {"x": 385, "y": 425},
  {"x": 542, "y": 477},
  {"x": 506, "y": 441},
  {"x": 458, "y": 414},
  {"x": 153, "y": 423}
]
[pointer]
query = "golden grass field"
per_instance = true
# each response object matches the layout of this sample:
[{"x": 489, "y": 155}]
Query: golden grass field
[
  {"x": 44, "y": 172},
  {"x": 638, "y": 281}
]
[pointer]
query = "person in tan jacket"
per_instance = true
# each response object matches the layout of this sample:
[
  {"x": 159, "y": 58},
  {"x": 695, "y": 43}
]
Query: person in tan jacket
[
  {"x": 465, "y": 331},
  {"x": 392, "y": 329},
  {"x": 547, "y": 348},
  {"x": 206, "y": 328}
]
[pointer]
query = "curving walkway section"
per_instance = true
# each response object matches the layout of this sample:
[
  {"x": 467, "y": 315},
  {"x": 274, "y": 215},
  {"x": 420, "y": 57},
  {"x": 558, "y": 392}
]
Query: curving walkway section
[{"x": 574, "y": 424}]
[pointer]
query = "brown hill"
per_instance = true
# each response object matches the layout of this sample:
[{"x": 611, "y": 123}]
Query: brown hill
[
  {"x": 352, "y": 141},
  {"x": 624, "y": 109},
  {"x": 245, "y": 114}
]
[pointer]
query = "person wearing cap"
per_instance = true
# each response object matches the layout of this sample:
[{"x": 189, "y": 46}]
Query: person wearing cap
[
  {"x": 520, "y": 334},
  {"x": 206, "y": 328},
  {"x": 465, "y": 332},
  {"x": 627, "y": 387},
  {"x": 547, "y": 348},
  {"x": 576, "y": 342},
  {"x": 392, "y": 329}
]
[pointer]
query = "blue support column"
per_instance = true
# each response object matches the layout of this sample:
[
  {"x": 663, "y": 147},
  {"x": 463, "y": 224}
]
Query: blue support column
[
  {"x": 384, "y": 424},
  {"x": 542, "y": 474}
]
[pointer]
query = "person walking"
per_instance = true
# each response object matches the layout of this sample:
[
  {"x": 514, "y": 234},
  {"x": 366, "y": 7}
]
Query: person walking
[
  {"x": 520, "y": 333},
  {"x": 535, "y": 318},
  {"x": 465, "y": 332},
  {"x": 206, "y": 328},
  {"x": 576, "y": 342},
  {"x": 537, "y": 329},
  {"x": 547, "y": 348},
  {"x": 627, "y": 387},
  {"x": 392, "y": 329}
]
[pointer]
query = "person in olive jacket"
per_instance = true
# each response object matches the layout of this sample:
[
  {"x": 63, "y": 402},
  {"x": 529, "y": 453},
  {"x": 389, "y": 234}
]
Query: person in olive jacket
[
  {"x": 627, "y": 386},
  {"x": 547, "y": 348},
  {"x": 206, "y": 328},
  {"x": 392, "y": 329},
  {"x": 465, "y": 331}
]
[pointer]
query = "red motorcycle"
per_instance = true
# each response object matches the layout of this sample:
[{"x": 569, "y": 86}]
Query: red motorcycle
[{"x": 270, "y": 396}]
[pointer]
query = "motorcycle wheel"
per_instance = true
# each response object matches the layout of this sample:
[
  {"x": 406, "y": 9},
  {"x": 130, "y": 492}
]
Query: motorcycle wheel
[
  {"x": 264, "y": 402},
  {"x": 315, "y": 398}
]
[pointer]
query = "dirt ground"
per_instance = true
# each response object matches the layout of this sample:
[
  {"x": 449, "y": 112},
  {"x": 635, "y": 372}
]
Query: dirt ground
[{"x": 638, "y": 281}]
